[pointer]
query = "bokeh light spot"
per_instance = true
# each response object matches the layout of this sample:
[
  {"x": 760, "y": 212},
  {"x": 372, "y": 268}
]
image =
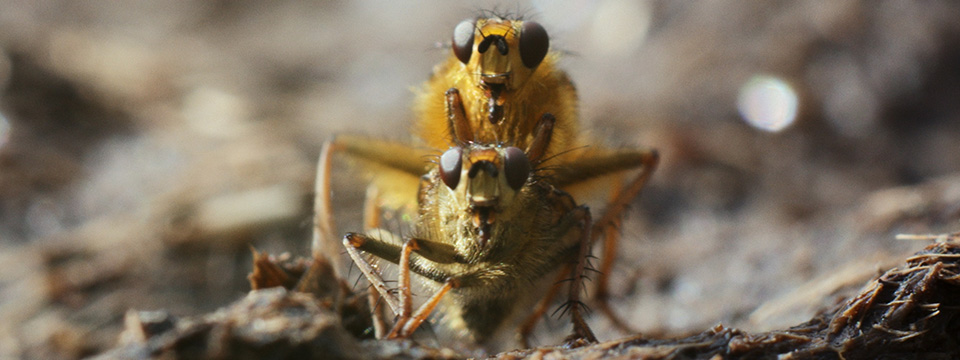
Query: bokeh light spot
[{"x": 768, "y": 103}]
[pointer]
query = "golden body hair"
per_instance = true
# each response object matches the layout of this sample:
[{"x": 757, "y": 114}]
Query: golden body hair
[{"x": 526, "y": 95}]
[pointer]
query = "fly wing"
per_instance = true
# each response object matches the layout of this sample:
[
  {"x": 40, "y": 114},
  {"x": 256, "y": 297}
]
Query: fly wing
[
  {"x": 599, "y": 172},
  {"x": 393, "y": 167}
]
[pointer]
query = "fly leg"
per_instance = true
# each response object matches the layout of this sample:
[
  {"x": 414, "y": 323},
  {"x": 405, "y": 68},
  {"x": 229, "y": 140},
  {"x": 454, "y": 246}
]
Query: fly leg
[
  {"x": 460, "y": 129},
  {"x": 393, "y": 158},
  {"x": 353, "y": 242},
  {"x": 535, "y": 151},
  {"x": 406, "y": 297},
  {"x": 581, "y": 331},
  {"x": 602, "y": 294},
  {"x": 614, "y": 211},
  {"x": 574, "y": 231},
  {"x": 526, "y": 328},
  {"x": 424, "y": 311},
  {"x": 611, "y": 236},
  {"x": 594, "y": 166},
  {"x": 408, "y": 322},
  {"x": 387, "y": 248},
  {"x": 323, "y": 226},
  {"x": 376, "y": 313},
  {"x": 608, "y": 225},
  {"x": 371, "y": 220}
]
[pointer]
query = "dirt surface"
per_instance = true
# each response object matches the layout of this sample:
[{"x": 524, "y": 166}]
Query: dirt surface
[
  {"x": 909, "y": 312},
  {"x": 145, "y": 147}
]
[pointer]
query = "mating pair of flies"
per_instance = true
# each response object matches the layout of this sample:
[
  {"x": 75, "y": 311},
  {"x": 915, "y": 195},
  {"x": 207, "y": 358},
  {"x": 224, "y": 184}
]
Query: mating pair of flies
[{"x": 496, "y": 212}]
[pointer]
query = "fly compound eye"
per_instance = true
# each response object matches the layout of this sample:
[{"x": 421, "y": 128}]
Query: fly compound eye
[
  {"x": 463, "y": 40},
  {"x": 516, "y": 167},
  {"x": 450, "y": 164},
  {"x": 534, "y": 44}
]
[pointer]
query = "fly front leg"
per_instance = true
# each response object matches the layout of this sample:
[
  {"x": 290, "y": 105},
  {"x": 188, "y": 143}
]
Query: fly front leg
[
  {"x": 406, "y": 297},
  {"x": 542, "y": 135},
  {"x": 424, "y": 311},
  {"x": 460, "y": 129},
  {"x": 354, "y": 242},
  {"x": 401, "y": 304},
  {"x": 408, "y": 327},
  {"x": 406, "y": 322}
]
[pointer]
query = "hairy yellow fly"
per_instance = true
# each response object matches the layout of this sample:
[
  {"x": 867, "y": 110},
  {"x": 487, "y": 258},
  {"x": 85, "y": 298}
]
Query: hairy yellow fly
[
  {"x": 503, "y": 79},
  {"x": 493, "y": 214}
]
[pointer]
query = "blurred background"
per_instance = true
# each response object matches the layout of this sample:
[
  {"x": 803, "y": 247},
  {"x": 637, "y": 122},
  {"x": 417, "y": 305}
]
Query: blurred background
[{"x": 146, "y": 146}]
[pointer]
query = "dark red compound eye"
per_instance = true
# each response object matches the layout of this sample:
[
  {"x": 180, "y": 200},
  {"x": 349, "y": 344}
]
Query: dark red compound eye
[
  {"x": 451, "y": 163},
  {"x": 516, "y": 167},
  {"x": 534, "y": 44},
  {"x": 463, "y": 40}
]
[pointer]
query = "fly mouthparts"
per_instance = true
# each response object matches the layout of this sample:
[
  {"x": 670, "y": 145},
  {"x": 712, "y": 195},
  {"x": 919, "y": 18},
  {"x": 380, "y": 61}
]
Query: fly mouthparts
[
  {"x": 495, "y": 111},
  {"x": 494, "y": 103}
]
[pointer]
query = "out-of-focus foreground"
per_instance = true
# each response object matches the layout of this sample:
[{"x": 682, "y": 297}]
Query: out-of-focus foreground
[{"x": 145, "y": 146}]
